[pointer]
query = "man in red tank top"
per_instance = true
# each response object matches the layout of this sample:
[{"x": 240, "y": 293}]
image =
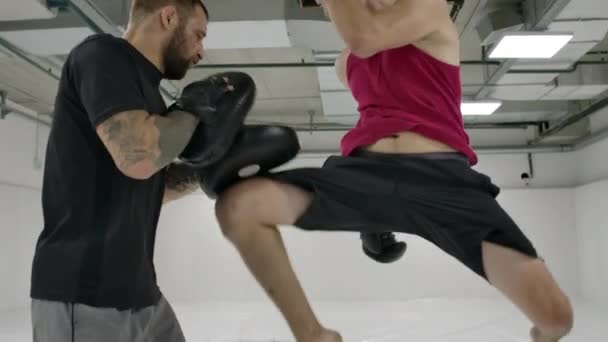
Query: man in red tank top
[{"x": 405, "y": 167}]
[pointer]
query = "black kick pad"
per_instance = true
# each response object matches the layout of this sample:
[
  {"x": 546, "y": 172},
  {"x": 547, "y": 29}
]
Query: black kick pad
[{"x": 256, "y": 151}]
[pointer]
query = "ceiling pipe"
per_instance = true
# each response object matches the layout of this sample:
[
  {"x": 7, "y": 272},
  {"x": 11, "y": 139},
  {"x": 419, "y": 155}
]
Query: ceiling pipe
[
  {"x": 330, "y": 63},
  {"x": 571, "y": 120},
  {"x": 590, "y": 139},
  {"x": 8, "y": 107}
]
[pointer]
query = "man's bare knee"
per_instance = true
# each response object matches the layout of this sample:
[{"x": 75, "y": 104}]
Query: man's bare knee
[
  {"x": 259, "y": 202},
  {"x": 237, "y": 206},
  {"x": 558, "y": 318}
]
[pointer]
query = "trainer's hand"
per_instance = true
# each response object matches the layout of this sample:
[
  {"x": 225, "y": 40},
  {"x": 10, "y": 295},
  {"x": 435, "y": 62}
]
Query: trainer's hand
[
  {"x": 222, "y": 102},
  {"x": 200, "y": 98}
]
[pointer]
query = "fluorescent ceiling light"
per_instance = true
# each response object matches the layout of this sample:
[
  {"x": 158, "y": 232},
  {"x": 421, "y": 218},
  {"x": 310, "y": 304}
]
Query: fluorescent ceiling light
[
  {"x": 480, "y": 108},
  {"x": 530, "y": 44}
]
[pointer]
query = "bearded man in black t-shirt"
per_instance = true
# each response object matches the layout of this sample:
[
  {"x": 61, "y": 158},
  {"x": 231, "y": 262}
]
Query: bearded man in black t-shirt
[{"x": 115, "y": 155}]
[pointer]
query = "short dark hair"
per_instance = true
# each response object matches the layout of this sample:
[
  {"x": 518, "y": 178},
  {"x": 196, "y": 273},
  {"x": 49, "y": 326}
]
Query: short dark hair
[{"x": 139, "y": 7}]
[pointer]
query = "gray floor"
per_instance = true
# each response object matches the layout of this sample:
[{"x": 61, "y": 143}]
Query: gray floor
[{"x": 428, "y": 320}]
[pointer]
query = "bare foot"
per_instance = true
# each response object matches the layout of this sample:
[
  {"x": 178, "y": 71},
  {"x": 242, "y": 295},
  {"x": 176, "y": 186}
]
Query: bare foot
[
  {"x": 537, "y": 337},
  {"x": 328, "y": 336}
]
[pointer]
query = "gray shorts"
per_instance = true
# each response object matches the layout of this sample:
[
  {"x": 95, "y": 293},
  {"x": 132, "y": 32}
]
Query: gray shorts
[{"x": 73, "y": 322}]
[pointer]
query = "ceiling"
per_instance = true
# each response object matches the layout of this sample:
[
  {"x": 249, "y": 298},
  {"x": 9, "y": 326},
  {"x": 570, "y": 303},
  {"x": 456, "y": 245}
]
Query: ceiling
[{"x": 289, "y": 52}]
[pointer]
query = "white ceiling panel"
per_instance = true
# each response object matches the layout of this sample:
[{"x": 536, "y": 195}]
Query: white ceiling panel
[
  {"x": 587, "y": 92},
  {"x": 584, "y": 9},
  {"x": 25, "y": 10},
  {"x": 499, "y": 137},
  {"x": 287, "y": 110},
  {"x": 271, "y": 82},
  {"x": 526, "y": 78},
  {"x": 321, "y": 141},
  {"x": 338, "y": 103},
  {"x": 315, "y": 35},
  {"x": 37, "y": 88},
  {"x": 515, "y": 117},
  {"x": 291, "y": 82},
  {"x": 328, "y": 79},
  {"x": 543, "y": 65},
  {"x": 247, "y": 34},
  {"x": 47, "y": 42},
  {"x": 4, "y": 54},
  {"x": 584, "y": 31},
  {"x": 519, "y": 92},
  {"x": 576, "y": 92},
  {"x": 15, "y": 94},
  {"x": 574, "y": 51},
  {"x": 562, "y": 60},
  {"x": 260, "y": 55},
  {"x": 560, "y": 93}
]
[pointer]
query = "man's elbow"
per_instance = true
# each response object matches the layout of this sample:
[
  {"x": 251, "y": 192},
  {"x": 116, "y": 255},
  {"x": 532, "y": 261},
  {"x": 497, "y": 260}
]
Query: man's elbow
[{"x": 141, "y": 171}]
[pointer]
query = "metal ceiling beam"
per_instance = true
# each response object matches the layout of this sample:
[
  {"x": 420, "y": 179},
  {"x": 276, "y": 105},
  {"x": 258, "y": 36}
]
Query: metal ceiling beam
[
  {"x": 591, "y": 139},
  {"x": 325, "y": 62},
  {"x": 8, "y": 107},
  {"x": 93, "y": 17},
  {"x": 479, "y": 150},
  {"x": 335, "y": 127},
  {"x": 31, "y": 60}
]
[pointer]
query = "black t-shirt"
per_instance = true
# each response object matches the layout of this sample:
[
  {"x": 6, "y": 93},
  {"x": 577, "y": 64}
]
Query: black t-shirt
[{"x": 97, "y": 244}]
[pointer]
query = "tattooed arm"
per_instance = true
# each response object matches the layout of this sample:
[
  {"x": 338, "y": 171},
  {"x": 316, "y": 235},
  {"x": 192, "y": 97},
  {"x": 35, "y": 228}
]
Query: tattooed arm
[
  {"x": 181, "y": 180},
  {"x": 142, "y": 144}
]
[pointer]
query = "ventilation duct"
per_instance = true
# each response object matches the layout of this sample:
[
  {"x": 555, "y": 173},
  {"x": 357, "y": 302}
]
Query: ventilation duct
[
  {"x": 555, "y": 79},
  {"x": 586, "y": 82},
  {"x": 491, "y": 27}
]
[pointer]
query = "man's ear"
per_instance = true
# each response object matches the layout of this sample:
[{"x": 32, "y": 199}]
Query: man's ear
[{"x": 169, "y": 17}]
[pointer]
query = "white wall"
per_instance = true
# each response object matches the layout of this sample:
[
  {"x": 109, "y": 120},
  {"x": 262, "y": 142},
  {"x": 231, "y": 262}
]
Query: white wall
[
  {"x": 592, "y": 220},
  {"x": 591, "y": 163},
  {"x": 592, "y": 223},
  {"x": 20, "y": 206}
]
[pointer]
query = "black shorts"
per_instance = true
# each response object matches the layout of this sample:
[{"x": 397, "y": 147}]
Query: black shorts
[{"x": 436, "y": 196}]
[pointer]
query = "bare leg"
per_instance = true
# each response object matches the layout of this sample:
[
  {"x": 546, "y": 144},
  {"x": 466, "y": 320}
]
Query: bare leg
[
  {"x": 529, "y": 285},
  {"x": 248, "y": 214}
]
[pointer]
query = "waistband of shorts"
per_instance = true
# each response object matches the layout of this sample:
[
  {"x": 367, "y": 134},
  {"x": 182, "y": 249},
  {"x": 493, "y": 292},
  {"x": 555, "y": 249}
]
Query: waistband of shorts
[{"x": 457, "y": 156}]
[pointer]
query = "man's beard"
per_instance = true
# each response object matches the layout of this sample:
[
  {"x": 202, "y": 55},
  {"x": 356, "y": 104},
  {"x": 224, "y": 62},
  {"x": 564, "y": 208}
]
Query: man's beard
[{"x": 176, "y": 65}]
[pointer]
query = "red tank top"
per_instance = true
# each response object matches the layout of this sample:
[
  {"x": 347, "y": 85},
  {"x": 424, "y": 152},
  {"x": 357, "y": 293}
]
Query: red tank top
[{"x": 406, "y": 89}]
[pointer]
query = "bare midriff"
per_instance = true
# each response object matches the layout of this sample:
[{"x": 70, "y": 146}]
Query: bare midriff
[{"x": 407, "y": 142}]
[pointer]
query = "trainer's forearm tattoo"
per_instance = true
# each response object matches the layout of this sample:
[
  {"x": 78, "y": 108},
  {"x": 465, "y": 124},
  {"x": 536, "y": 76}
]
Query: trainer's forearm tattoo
[
  {"x": 124, "y": 135},
  {"x": 137, "y": 139},
  {"x": 175, "y": 131}
]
